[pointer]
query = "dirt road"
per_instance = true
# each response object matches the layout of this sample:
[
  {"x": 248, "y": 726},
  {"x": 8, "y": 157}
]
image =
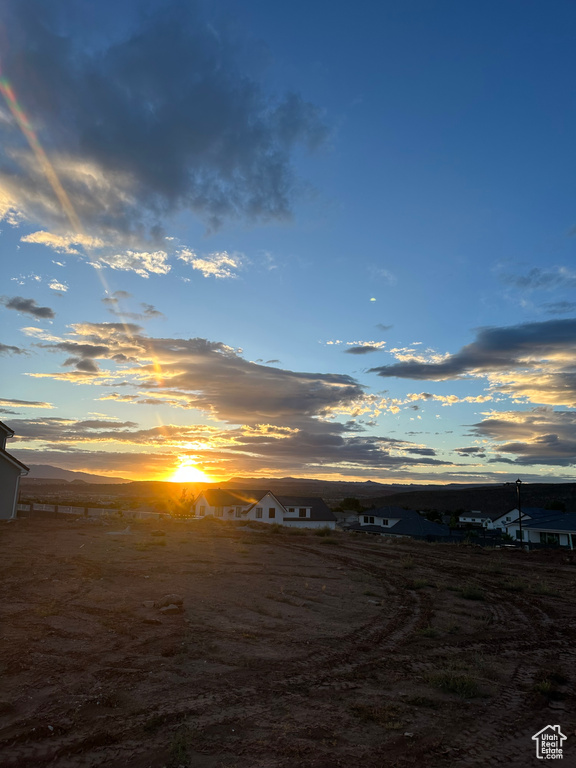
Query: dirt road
[{"x": 288, "y": 650}]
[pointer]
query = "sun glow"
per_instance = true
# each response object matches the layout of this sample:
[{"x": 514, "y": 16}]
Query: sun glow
[{"x": 188, "y": 472}]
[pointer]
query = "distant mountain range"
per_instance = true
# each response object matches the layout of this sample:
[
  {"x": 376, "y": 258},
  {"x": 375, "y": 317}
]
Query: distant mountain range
[{"x": 47, "y": 472}]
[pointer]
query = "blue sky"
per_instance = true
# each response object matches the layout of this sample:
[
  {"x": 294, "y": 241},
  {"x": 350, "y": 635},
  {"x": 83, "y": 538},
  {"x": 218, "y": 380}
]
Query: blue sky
[{"x": 290, "y": 239}]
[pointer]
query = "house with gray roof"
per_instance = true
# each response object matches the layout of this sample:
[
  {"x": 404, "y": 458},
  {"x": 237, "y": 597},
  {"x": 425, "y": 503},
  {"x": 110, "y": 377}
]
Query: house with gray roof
[
  {"x": 556, "y": 529},
  {"x": 11, "y": 470},
  {"x": 395, "y": 521},
  {"x": 264, "y": 507}
]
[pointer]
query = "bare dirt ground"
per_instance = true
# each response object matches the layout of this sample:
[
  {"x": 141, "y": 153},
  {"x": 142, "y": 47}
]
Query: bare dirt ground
[{"x": 290, "y": 650}]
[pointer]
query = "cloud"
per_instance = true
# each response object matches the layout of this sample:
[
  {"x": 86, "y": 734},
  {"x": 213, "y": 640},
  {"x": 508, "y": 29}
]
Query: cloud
[
  {"x": 474, "y": 451},
  {"x": 28, "y": 307},
  {"x": 363, "y": 349},
  {"x": 112, "y": 303},
  {"x": 56, "y": 286},
  {"x": 538, "y": 436},
  {"x": 63, "y": 243},
  {"x": 560, "y": 307},
  {"x": 24, "y": 403},
  {"x": 143, "y": 263},
  {"x": 7, "y": 349},
  {"x": 302, "y": 411},
  {"x": 221, "y": 265},
  {"x": 542, "y": 279},
  {"x": 534, "y": 360},
  {"x": 382, "y": 327},
  {"x": 158, "y": 112}
]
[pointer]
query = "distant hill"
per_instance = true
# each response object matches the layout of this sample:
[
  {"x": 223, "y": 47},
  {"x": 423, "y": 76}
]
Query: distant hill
[
  {"x": 487, "y": 498},
  {"x": 48, "y": 472}
]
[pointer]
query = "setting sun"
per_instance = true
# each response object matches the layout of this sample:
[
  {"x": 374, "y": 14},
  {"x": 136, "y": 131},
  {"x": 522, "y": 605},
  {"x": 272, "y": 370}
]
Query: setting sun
[{"x": 188, "y": 472}]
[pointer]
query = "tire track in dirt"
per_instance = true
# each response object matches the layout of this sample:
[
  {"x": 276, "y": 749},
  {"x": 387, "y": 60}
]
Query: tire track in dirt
[{"x": 317, "y": 669}]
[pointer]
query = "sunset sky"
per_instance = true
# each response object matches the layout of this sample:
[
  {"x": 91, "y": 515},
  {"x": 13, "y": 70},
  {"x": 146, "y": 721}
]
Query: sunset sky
[{"x": 315, "y": 239}]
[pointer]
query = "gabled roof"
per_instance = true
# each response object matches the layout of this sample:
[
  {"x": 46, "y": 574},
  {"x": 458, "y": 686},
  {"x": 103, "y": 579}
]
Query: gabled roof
[
  {"x": 411, "y": 523},
  {"x": 8, "y": 457},
  {"x": 4, "y": 428},
  {"x": 387, "y": 512},
  {"x": 317, "y": 506},
  {"x": 218, "y": 497},
  {"x": 556, "y": 521}
]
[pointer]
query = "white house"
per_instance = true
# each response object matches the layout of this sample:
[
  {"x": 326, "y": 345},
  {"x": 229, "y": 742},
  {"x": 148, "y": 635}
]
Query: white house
[
  {"x": 263, "y": 507},
  {"x": 11, "y": 471},
  {"x": 528, "y": 514},
  {"x": 475, "y": 517},
  {"x": 555, "y": 529}
]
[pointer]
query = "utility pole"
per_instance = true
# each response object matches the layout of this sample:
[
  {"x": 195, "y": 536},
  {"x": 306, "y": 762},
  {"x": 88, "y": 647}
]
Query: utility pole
[{"x": 518, "y": 484}]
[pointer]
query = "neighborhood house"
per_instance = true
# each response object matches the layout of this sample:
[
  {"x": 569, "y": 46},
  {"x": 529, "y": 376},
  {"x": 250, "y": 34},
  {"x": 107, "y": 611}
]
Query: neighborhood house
[
  {"x": 11, "y": 471},
  {"x": 263, "y": 507}
]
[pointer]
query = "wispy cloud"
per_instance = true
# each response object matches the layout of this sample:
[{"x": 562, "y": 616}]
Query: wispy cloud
[
  {"x": 7, "y": 349},
  {"x": 27, "y": 307},
  {"x": 220, "y": 265}
]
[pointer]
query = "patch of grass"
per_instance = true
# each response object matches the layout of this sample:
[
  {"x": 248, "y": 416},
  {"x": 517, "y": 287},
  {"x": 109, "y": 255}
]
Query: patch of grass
[
  {"x": 462, "y": 685},
  {"x": 276, "y": 528},
  {"x": 428, "y": 632},
  {"x": 543, "y": 589},
  {"x": 453, "y": 629},
  {"x": 296, "y": 531},
  {"x": 332, "y": 542},
  {"x": 369, "y": 593},
  {"x": 143, "y": 546},
  {"x": 471, "y": 592},
  {"x": 47, "y": 609},
  {"x": 407, "y": 562},
  {"x": 514, "y": 585},
  {"x": 416, "y": 584},
  {"x": 422, "y": 701},
  {"x": 325, "y": 531},
  {"x": 385, "y": 715}
]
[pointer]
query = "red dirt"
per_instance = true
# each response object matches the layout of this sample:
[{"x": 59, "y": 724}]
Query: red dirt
[{"x": 291, "y": 650}]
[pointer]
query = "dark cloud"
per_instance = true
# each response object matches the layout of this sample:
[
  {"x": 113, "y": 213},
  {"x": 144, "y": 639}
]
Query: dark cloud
[
  {"x": 280, "y": 418},
  {"x": 471, "y": 451},
  {"x": 538, "y": 436},
  {"x": 382, "y": 327},
  {"x": 364, "y": 349},
  {"x": 7, "y": 349},
  {"x": 28, "y": 307},
  {"x": 163, "y": 113},
  {"x": 494, "y": 349},
  {"x": 560, "y": 307}
]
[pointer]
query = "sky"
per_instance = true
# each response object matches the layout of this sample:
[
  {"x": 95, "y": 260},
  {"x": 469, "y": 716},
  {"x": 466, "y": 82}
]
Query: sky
[{"x": 313, "y": 239}]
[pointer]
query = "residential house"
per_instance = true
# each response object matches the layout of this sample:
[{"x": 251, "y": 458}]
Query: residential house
[
  {"x": 500, "y": 522},
  {"x": 263, "y": 507},
  {"x": 475, "y": 518},
  {"x": 553, "y": 529},
  {"x": 395, "y": 521},
  {"x": 11, "y": 470}
]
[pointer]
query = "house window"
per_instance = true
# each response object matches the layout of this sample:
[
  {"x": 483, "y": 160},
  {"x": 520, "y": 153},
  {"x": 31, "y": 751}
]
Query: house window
[
  {"x": 371, "y": 520},
  {"x": 238, "y": 511},
  {"x": 272, "y": 512},
  {"x": 202, "y": 511},
  {"x": 301, "y": 513},
  {"x": 365, "y": 519},
  {"x": 384, "y": 522},
  {"x": 291, "y": 510},
  {"x": 258, "y": 512},
  {"x": 218, "y": 511},
  {"x": 549, "y": 538},
  {"x": 508, "y": 519}
]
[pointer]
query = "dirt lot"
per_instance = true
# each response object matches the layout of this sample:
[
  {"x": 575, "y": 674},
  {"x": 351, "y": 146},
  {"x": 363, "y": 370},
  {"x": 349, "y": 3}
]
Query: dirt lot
[{"x": 290, "y": 650}]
